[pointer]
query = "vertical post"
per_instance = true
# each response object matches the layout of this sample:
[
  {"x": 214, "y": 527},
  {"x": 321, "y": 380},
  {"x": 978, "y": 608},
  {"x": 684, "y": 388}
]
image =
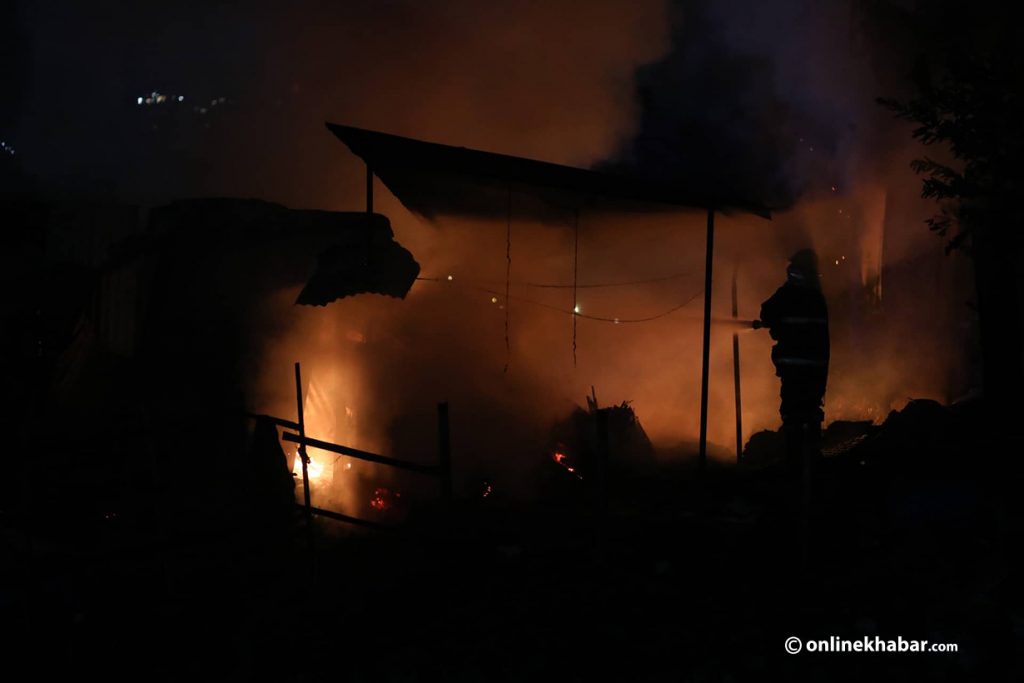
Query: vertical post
[
  {"x": 368, "y": 233},
  {"x": 603, "y": 456},
  {"x": 599, "y": 490},
  {"x": 736, "y": 367},
  {"x": 369, "y": 189},
  {"x": 575, "y": 278},
  {"x": 302, "y": 447},
  {"x": 706, "y": 350},
  {"x": 444, "y": 450}
]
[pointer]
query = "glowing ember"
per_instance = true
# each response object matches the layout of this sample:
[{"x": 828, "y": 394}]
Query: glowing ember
[
  {"x": 560, "y": 458},
  {"x": 384, "y": 499}
]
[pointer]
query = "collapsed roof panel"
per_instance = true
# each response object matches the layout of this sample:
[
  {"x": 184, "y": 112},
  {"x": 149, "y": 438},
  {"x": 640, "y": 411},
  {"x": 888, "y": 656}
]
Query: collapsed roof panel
[{"x": 357, "y": 252}]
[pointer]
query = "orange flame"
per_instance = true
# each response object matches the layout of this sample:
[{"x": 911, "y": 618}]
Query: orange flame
[
  {"x": 561, "y": 459},
  {"x": 315, "y": 468}
]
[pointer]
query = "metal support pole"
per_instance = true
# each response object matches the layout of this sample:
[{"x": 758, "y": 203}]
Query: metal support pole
[
  {"x": 444, "y": 450},
  {"x": 599, "y": 489},
  {"x": 369, "y": 189},
  {"x": 736, "y": 368},
  {"x": 706, "y": 350},
  {"x": 302, "y": 447}
]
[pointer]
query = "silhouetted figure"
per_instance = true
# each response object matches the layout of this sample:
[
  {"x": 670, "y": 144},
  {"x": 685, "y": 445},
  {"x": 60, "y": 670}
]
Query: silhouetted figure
[
  {"x": 271, "y": 485},
  {"x": 797, "y": 319}
]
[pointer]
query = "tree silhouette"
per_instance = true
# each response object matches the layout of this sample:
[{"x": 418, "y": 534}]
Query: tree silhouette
[{"x": 968, "y": 101}]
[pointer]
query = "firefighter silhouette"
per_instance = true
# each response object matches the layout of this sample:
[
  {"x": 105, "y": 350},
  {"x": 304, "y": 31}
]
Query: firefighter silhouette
[{"x": 797, "y": 319}]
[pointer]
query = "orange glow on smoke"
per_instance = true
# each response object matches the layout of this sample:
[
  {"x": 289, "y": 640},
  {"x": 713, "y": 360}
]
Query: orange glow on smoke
[
  {"x": 372, "y": 367},
  {"x": 315, "y": 468}
]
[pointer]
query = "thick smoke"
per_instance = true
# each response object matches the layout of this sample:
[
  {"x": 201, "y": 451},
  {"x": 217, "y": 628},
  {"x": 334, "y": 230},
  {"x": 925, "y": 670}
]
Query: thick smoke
[
  {"x": 551, "y": 80},
  {"x": 776, "y": 101}
]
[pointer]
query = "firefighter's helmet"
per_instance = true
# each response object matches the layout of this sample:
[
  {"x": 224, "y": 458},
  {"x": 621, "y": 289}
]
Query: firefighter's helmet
[{"x": 804, "y": 264}]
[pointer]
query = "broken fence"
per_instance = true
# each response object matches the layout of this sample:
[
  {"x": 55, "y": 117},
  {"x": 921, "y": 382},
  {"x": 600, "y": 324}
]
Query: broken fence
[{"x": 442, "y": 470}]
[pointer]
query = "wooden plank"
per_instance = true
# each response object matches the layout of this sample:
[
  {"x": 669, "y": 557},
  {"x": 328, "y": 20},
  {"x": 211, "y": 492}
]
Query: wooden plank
[
  {"x": 301, "y": 442},
  {"x": 279, "y": 421},
  {"x": 602, "y": 462},
  {"x": 433, "y": 470},
  {"x": 306, "y": 496}
]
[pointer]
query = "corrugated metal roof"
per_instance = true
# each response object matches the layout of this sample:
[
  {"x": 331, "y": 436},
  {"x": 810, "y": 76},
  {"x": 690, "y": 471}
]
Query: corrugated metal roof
[{"x": 431, "y": 179}]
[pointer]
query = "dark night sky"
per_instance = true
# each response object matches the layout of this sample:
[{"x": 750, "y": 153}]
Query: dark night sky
[{"x": 737, "y": 89}]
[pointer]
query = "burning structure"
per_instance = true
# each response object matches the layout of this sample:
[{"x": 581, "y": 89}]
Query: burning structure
[
  {"x": 235, "y": 269},
  {"x": 154, "y": 310},
  {"x": 259, "y": 260}
]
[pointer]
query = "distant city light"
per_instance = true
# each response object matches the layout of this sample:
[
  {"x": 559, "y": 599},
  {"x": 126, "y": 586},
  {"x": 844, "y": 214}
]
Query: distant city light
[{"x": 158, "y": 98}]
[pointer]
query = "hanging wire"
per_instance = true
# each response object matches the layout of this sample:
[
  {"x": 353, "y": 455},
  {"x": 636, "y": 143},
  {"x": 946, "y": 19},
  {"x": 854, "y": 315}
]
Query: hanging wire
[
  {"x": 558, "y": 285},
  {"x": 604, "y": 319},
  {"x": 508, "y": 275},
  {"x": 557, "y": 309},
  {"x": 544, "y": 285}
]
